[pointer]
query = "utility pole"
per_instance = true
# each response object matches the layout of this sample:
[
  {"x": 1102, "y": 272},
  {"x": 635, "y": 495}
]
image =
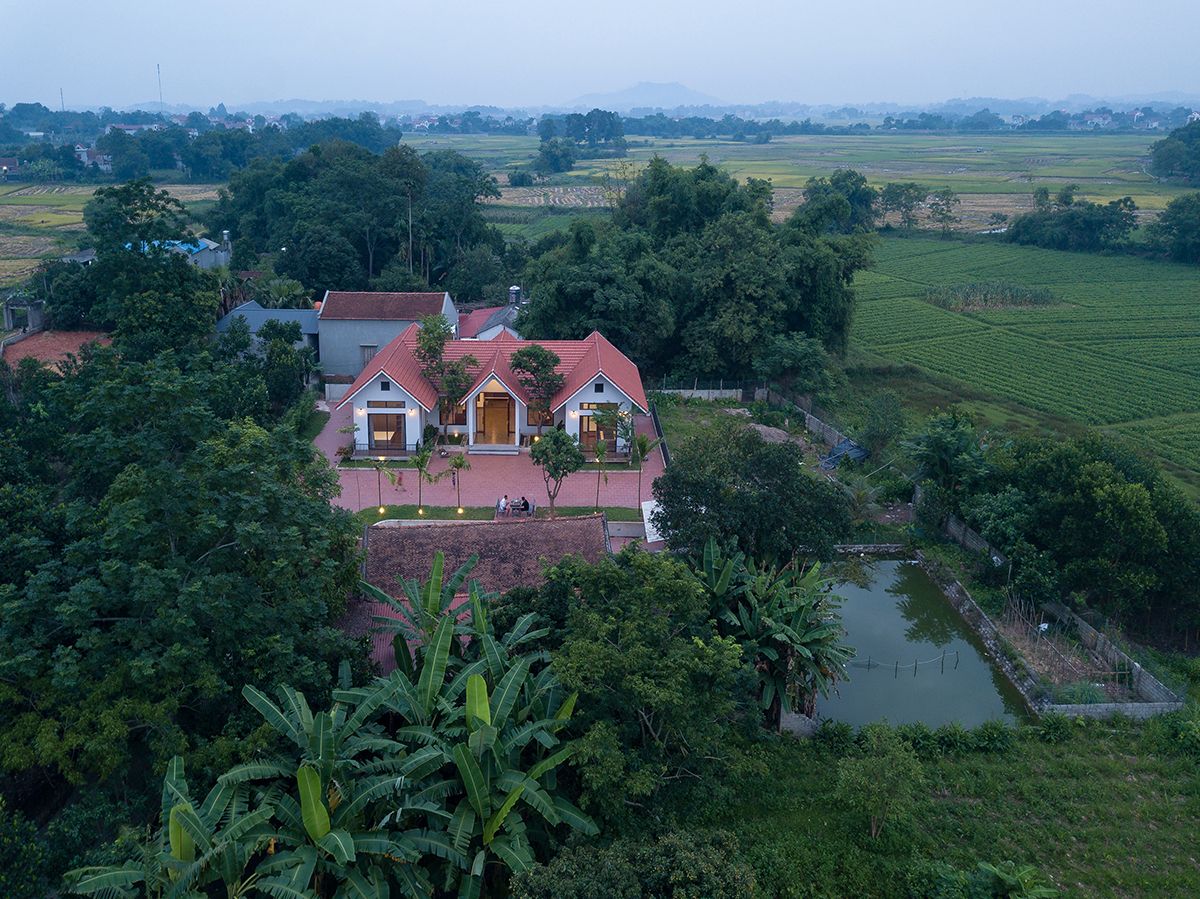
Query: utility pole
[
  {"x": 158, "y": 69},
  {"x": 62, "y": 103}
]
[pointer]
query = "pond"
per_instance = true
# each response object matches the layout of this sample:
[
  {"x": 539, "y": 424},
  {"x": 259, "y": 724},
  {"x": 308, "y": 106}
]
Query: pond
[{"x": 895, "y": 615}]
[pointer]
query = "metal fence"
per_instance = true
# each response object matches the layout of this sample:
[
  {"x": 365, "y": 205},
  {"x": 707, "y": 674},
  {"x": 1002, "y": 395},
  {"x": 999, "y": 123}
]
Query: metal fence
[{"x": 666, "y": 450}]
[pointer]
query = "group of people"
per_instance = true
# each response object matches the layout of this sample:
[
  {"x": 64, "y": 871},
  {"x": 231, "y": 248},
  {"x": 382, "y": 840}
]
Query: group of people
[{"x": 514, "y": 507}]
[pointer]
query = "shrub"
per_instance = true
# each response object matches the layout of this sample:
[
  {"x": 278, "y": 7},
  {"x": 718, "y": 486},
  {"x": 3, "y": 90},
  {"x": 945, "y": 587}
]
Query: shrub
[
  {"x": 954, "y": 739},
  {"x": 835, "y": 737},
  {"x": 22, "y": 857},
  {"x": 920, "y": 737},
  {"x": 993, "y": 736},
  {"x": 1079, "y": 693},
  {"x": 880, "y": 783},
  {"x": 675, "y": 866},
  {"x": 938, "y": 880},
  {"x": 988, "y": 295},
  {"x": 1054, "y": 728}
]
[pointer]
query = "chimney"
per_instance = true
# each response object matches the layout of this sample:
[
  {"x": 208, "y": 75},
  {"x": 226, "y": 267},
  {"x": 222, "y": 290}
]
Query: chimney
[
  {"x": 514, "y": 295},
  {"x": 225, "y": 240}
]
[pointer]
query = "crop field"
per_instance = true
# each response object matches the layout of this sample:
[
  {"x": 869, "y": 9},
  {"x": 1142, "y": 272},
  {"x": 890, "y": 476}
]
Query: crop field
[
  {"x": 45, "y": 220},
  {"x": 1120, "y": 350},
  {"x": 991, "y": 172}
]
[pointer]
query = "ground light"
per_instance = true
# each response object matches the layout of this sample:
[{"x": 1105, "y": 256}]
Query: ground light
[
  {"x": 461, "y": 510},
  {"x": 382, "y": 510},
  {"x": 420, "y": 510}
]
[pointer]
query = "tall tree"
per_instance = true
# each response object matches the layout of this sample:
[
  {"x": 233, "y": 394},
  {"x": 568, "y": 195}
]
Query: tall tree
[
  {"x": 537, "y": 369},
  {"x": 558, "y": 455}
]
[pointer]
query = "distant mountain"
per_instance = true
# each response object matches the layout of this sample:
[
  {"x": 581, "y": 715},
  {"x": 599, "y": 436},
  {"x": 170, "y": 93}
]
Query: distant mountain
[{"x": 646, "y": 95}]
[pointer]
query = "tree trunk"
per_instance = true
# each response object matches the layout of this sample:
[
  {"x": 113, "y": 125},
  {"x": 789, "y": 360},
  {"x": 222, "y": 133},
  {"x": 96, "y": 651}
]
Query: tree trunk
[{"x": 410, "y": 239}]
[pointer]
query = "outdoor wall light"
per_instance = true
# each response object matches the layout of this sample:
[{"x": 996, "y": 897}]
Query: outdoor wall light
[
  {"x": 574, "y": 414},
  {"x": 360, "y": 411},
  {"x": 412, "y": 411}
]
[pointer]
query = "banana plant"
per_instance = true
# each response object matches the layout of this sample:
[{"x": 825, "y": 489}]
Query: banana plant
[
  {"x": 422, "y": 608},
  {"x": 329, "y": 838},
  {"x": 493, "y": 726},
  {"x": 194, "y": 849}
]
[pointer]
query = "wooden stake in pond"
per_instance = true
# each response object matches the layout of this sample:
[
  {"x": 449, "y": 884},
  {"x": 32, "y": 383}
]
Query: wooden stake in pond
[
  {"x": 914, "y": 667},
  {"x": 897, "y": 672},
  {"x": 956, "y": 660},
  {"x": 943, "y": 661}
]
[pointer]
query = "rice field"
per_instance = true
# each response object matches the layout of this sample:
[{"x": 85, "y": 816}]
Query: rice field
[{"x": 1121, "y": 350}]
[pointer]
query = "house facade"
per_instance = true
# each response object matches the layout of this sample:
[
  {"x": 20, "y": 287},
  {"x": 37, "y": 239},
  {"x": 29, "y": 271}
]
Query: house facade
[
  {"x": 356, "y": 325},
  {"x": 393, "y": 401},
  {"x": 255, "y": 316}
]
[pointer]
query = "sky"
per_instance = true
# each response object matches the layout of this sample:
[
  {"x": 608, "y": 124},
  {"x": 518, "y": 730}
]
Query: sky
[{"x": 537, "y": 52}]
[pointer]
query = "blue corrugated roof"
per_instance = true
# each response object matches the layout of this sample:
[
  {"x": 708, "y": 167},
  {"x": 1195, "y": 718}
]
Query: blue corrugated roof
[{"x": 256, "y": 316}]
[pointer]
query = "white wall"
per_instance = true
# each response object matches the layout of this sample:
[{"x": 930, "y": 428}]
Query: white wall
[
  {"x": 415, "y": 420},
  {"x": 571, "y": 412}
]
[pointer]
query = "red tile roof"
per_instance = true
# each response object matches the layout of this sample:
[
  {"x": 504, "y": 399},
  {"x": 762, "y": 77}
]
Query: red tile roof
[
  {"x": 52, "y": 347},
  {"x": 472, "y": 323},
  {"x": 343, "y": 304},
  {"x": 511, "y": 554},
  {"x": 580, "y": 362}
]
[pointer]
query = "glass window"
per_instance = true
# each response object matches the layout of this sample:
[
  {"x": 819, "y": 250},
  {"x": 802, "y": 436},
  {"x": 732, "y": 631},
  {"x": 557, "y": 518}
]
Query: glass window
[
  {"x": 535, "y": 417},
  {"x": 600, "y": 387},
  {"x": 385, "y": 404},
  {"x": 453, "y": 416},
  {"x": 385, "y": 386},
  {"x": 386, "y": 431},
  {"x": 597, "y": 406}
]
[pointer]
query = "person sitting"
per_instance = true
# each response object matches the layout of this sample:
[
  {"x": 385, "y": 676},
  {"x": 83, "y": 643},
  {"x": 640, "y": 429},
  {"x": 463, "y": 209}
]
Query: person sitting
[
  {"x": 502, "y": 506},
  {"x": 524, "y": 506}
]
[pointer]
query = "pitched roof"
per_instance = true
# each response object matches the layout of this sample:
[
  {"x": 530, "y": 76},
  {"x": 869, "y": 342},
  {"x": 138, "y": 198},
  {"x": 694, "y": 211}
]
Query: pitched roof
[
  {"x": 511, "y": 554},
  {"x": 256, "y": 316},
  {"x": 380, "y": 306},
  {"x": 580, "y": 362},
  {"x": 478, "y": 320}
]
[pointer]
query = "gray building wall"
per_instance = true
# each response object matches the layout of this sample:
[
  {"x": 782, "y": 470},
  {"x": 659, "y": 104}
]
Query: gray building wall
[{"x": 342, "y": 340}]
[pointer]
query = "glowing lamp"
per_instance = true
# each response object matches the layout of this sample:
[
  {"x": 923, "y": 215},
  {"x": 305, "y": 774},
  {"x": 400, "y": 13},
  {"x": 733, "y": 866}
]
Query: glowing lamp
[
  {"x": 382, "y": 510},
  {"x": 460, "y": 510},
  {"x": 420, "y": 510}
]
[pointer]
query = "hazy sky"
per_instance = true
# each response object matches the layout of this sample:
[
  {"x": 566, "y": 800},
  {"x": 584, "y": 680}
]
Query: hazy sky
[{"x": 550, "y": 51}]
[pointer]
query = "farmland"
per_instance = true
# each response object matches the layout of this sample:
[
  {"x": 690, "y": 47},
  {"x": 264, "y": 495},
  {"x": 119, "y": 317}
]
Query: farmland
[
  {"x": 991, "y": 172},
  {"x": 1120, "y": 350},
  {"x": 40, "y": 220}
]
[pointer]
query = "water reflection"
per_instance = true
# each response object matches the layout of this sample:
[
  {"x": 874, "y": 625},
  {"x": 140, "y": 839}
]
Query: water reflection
[{"x": 925, "y": 663}]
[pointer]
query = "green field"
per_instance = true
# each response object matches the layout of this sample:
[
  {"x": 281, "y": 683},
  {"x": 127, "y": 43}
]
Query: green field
[
  {"x": 46, "y": 220},
  {"x": 1120, "y": 350},
  {"x": 993, "y": 172}
]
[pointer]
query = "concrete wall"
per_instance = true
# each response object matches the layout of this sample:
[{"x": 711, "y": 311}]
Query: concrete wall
[
  {"x": 414, "y": 422},
  {"x": 342, "y": 341}
]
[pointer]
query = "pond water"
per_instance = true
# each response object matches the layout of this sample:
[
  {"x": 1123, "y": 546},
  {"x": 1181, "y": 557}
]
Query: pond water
[{"x": 895, "y": 615}]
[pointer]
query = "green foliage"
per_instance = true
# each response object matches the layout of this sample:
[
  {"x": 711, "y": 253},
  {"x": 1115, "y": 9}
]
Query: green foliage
[
  {"x": 1070, "y": 224},
  {"x": 673, "y": 866},
  {"x": 661, "y": 694},
  {"x": 885, "y": 422},
  {"x": 1177, "y": 230},
  {"x": 1178, "y": 154},
  {"x": 903, "y": 198},
  {"x": 134, "y": 218},
  {"x": 882, "y": 781},
  {"x": 558, "y": 455},
  {"x": 747, "y": 494},
  {"x": 1054, "y": 728},
  {"x": 22, "y": 857},
  {"x": 938, "y": 880},
  {"x": 942, "y": 203},
  {"x": 536, "y": 369},
  {"x": 692, "y": 277},
  {"x": 1079, "y": 693}
]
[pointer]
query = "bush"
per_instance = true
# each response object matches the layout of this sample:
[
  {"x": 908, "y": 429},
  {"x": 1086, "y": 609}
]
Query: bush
[
  {"x": 938, "y": 880},
  {"x": 881, "y": 783},
  {"x": 675, "y": 866},
  {"x": 1054, "y": 728},
  {"x": 22, "y": 857},
  {"x": 835, "y": 737},
  {"x": 1079, "y": 693},
  {"x": 954, "y": 739},
  {"x": 994, "y": 736},
  {"x": 921, "y": 738}
]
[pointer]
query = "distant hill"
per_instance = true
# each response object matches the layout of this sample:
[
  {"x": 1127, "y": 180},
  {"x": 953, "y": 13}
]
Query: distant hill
[{"x": 646, "y": 95}]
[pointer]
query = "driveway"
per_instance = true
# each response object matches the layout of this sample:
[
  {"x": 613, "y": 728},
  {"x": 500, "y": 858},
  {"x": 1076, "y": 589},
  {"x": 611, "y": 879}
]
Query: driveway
[{"x": 489, "y": 478}]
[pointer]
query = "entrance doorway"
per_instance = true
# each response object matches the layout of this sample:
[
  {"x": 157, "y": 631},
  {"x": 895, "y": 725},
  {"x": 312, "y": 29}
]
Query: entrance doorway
[{"x": 495, "y": 418}]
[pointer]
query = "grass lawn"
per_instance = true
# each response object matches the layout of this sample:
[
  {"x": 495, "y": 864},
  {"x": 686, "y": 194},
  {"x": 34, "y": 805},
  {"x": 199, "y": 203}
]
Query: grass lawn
[
  {"x": 367, "y": 463},
  {"x": 1107, "y": 813},
  {"x": 313, "y": 425},
  {"x": 682, "y": 418}
]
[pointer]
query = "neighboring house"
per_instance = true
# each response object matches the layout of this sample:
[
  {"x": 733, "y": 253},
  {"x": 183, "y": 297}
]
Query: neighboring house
[
  {"x": 484, "y": 324},
  {"x": 204, "y": 253},
  {"x": 510, "y": 554},
  {"x": 9, "y": 166},
  {"x": 355, "y": 325},
  {"x": 83, "y": 257},
  {"x": 393, "y": 401},
  {"x": 91, "y": 156},
  {"x": 255, "y": 316},
  {"x": 1194, "y": 116}
]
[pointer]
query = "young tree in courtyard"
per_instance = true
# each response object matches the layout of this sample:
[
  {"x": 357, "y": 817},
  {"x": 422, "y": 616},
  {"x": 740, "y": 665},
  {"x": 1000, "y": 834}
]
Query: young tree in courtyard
[
  {"x": 558, "y": 455},
  {"x": 535, "y": 367},
  {"x": 458, "y": 464},
  {"x": 599, "y": 451},
  {"x": 639, "y": 451},
  {"x": 450, "y": 378}
]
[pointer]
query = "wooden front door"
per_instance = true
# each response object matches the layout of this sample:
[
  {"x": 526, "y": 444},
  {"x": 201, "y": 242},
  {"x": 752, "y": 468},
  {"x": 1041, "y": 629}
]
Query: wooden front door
[{"x": 497, "y": 420}]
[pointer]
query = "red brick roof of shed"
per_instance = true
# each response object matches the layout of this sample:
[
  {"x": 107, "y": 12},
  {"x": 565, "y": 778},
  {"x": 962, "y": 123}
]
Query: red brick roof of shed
[
  {"x": 380, "y": 305},
  {"x": 511, "y": 554}
]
